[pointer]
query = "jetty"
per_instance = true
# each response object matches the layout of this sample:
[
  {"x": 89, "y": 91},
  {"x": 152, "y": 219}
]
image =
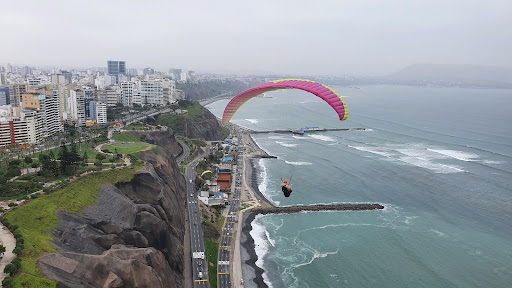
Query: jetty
[
  {"x": 316, "y": 208},
  {"x": 301, "y": 131}
]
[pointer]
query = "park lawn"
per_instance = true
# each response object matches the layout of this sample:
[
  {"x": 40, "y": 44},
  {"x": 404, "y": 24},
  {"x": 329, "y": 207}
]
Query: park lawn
[
  {"x": 127, "y": 148},
  {"x": 37, "y": 217},
  {"x": 89, "y": 148},
  {"x": 212, "y": 253},
  {"x": 125, "y": 137}
]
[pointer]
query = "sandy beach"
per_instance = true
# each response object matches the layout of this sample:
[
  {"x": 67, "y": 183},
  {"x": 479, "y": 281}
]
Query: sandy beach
[{"x": 252, "y": 274}]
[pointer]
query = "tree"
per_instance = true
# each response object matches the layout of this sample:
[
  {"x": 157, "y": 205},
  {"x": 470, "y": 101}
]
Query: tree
[
  {"x": 28, "y": 159},
  {"x": 10, "y": 269},
  {"x": 85, "y": 159},
  {"x": 2, "y": 249},
  {"x": 7, "y": 282},
  {"x": 100, "y": 156},
  {"x": 75, "y": 158}
]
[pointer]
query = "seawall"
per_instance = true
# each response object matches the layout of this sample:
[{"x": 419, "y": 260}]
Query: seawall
[{"x": 328, "y": 207}]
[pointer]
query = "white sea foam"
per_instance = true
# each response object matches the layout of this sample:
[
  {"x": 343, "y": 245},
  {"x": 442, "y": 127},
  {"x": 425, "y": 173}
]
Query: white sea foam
[
  {"x": 262, "y": 186},
  {"x": 284, "y": 144},
  {"x": 316, "y": 256},
  {"x": 492, "y": 162},
  {"x": 322, "y": 137},
  {"x": 276, "y": 137},
  {"x": 297, "y": 137},
  {"x": 459, "y": 155},
  {"x": 409, "y": 218},
  {"x": 298, "y": 163},
  {"x": 261, "y": 244},
  {"x": 427, "y": 164},
  {"x": 253, "y": 121},
  {"x": 374, "y": 150},
  {"x": 415, "y": 154},
  {"x": 439, "y": 233}
]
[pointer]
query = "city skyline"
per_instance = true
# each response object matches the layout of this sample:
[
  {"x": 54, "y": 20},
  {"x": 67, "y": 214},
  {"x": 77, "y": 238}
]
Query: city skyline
[{"x": 299, "y": 37}]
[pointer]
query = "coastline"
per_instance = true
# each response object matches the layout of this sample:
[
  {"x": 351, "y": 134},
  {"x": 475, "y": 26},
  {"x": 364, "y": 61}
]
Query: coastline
[{"x": 252, "y": 274}]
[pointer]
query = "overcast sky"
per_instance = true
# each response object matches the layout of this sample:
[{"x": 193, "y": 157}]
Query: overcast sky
[{"x": 295, "y": 37}]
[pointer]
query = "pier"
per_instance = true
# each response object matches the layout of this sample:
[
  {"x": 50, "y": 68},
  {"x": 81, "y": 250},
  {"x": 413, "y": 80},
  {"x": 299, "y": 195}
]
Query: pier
[
  {"x": 301, "y": 131},
  {"x": 316, "y": 208}
]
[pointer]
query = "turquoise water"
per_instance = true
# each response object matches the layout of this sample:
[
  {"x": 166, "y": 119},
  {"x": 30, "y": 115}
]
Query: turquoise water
[{"x": 439, "y": 159}]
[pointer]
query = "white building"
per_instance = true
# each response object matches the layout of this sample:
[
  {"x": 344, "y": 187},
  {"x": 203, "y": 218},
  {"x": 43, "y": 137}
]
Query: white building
[
  {"x": 127, "y": 90},
  {"x": 98, "y": 112},
  {"x": 151, "y": 92},
  {"x": 77, "y": 106},
  {"x": 183, "y": 76}
]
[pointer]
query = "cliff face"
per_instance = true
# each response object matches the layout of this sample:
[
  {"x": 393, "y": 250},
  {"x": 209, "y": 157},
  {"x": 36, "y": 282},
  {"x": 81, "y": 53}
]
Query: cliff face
[
  {"x": 204, "y": 127},
  {"x": 132, "y": 237}
]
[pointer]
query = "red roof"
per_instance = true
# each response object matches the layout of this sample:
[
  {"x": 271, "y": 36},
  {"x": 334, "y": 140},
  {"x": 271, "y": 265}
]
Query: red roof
[
  {"x": 224, "y": 185},
  {"x": 224, "y": 178}
]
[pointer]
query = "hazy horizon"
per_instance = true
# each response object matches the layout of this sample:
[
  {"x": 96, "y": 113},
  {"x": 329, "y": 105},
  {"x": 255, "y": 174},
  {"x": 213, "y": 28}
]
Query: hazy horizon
[{"x": 289, "y": 37}]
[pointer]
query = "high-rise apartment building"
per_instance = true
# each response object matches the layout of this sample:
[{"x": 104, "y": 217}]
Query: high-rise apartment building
[
  {"x": 61, "y": 78},
  {"x": 19, "y": 130},
  {"x": 151, "y": 92},
  {"x": 15, "y": 91},
  {"x": 45, "y": 105},
  {"x": 5, "y": 99},
  {"x": 116, "y": 68},
  {"x": 77, "y": 103},
  {"x": 127, "y": 89},
  {"x": 98, "y": 112}
]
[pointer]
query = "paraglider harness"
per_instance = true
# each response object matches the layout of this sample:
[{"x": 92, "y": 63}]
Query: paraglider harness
[{"x": 287, "y": 189}]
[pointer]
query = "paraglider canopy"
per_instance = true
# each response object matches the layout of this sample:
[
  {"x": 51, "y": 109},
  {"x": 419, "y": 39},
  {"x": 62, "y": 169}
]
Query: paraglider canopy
[
  {"x": 327, "y": 94},
  {"x": 285, "y": 181},
  {"x": 207, "y": 171}
]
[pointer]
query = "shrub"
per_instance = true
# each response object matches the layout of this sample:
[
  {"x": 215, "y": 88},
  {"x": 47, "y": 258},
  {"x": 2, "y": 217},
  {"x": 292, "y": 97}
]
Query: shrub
[
  {"x": 10, "y": 269},
  {"x": 14, "y": 162},
  {"x": 98, "y": 163},
  {"x": 35, "y": 165},
  {"x": 13, "y": 171},
  {"x": 17, "y": 250},
  {"x": 17, "y": 263},
  {"x": 7, "y": 282},
  {"x": 12, "y": 204},
  {"x": 100, "y": 156},
  {"x": 34, "y": 196},
  {"x": 28, "y": 159}
]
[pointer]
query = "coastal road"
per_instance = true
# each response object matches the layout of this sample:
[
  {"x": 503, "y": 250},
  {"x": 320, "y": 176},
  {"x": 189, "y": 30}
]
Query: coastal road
[
  {"x": 226, "y": 240},
  {"x": 185, "y": 154},
  {"x": 199, "y": 265}
]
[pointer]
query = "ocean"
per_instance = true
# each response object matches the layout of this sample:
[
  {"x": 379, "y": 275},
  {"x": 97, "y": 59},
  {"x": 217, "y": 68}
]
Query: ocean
[{"x": 438, "y": 159}]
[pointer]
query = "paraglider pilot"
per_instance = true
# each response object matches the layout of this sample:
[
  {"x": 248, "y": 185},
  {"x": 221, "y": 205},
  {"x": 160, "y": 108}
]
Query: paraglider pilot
[{"x": 286, "y": 187}]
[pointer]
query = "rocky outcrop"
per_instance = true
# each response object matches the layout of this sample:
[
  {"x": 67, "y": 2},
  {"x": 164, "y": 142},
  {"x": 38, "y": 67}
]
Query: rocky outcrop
[
  {"x": 132, "y": 237},
  {"x": 204, "y": 127}
]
